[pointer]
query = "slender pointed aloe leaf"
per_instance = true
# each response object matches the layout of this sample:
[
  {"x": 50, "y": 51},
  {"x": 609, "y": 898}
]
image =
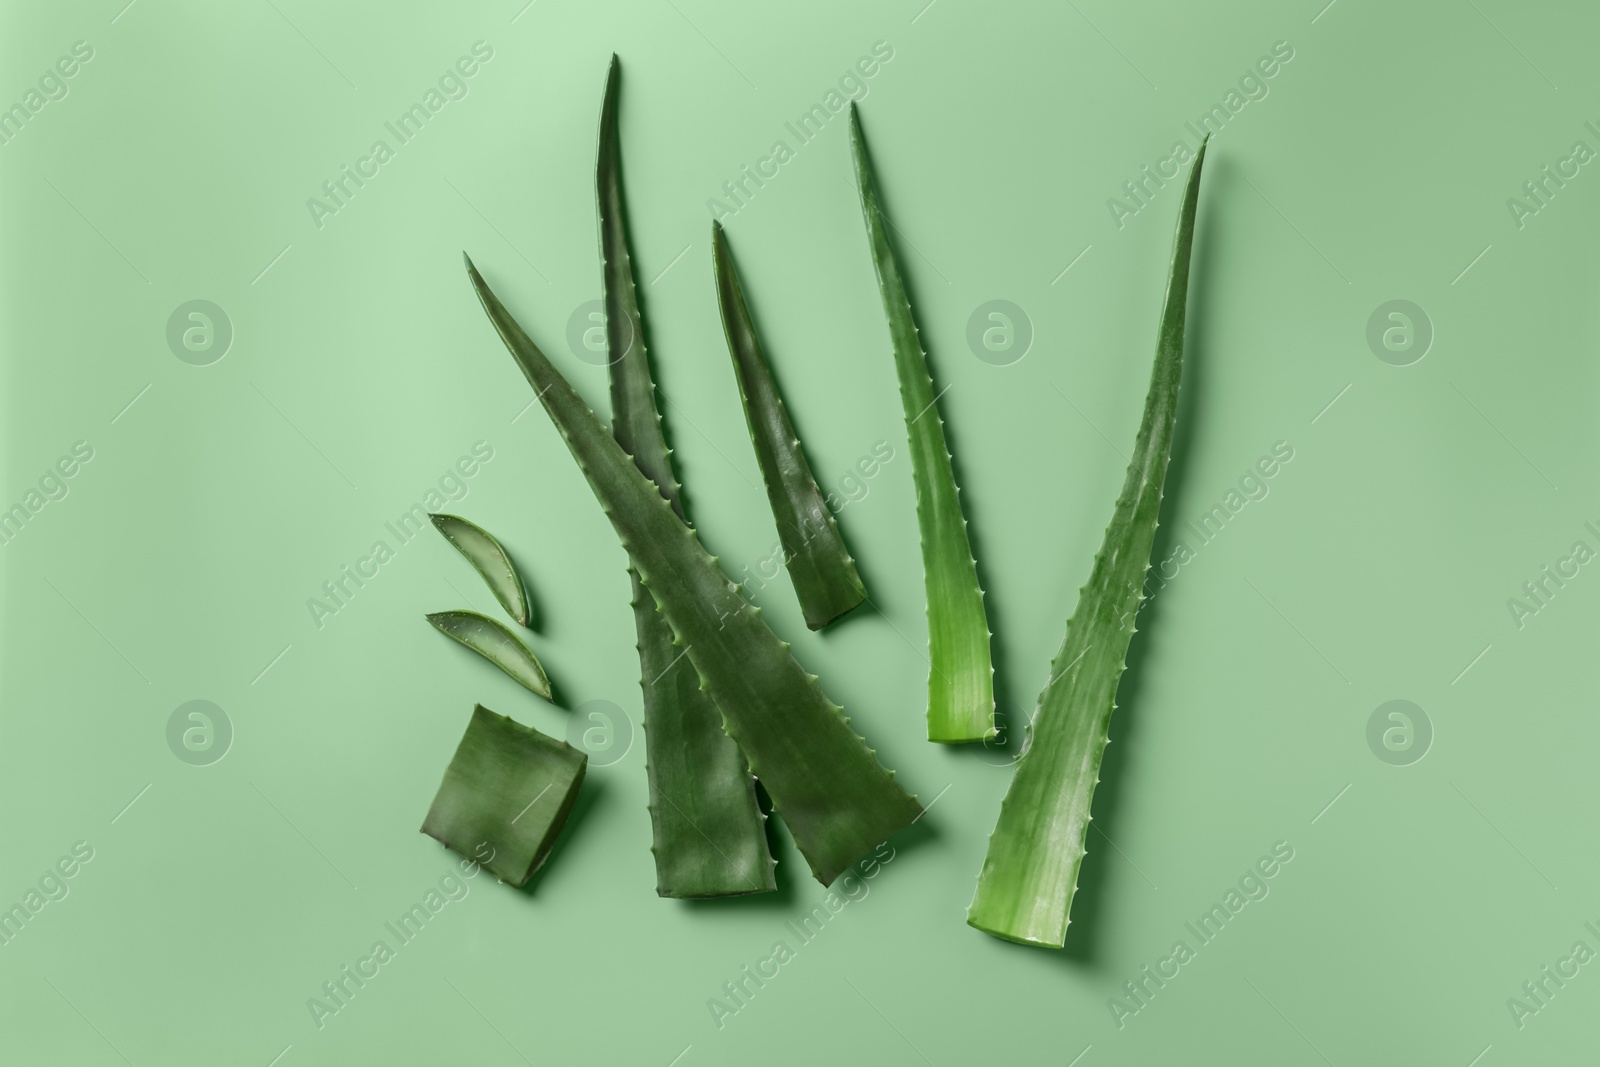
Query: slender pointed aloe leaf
[
  {"x": 820, "y": 567},
  {"x": 961, "y": 674},
  {"x": 505, "y": 796},
  {"x": 709, "y": 835},
  {"x": 1031, "y": 871},
  {"x": 491, "y": 640},
  {"x": 490, "y": 559},
  {"x": 836, "y": 798}
]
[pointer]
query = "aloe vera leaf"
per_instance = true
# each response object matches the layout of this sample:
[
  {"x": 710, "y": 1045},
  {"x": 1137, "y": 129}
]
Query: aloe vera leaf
[
  {"x": 490, "y": 559},
  {"x": 836, "y": 798},
  {"x": 961, "y": 674},
  {"x": 491, "y": 640},
  {"x": 505, "y": 796},
  {"x": 708, "y": 833},
  {"x": 1031, "y": 871},
  {"x": 820, "y": 568}
]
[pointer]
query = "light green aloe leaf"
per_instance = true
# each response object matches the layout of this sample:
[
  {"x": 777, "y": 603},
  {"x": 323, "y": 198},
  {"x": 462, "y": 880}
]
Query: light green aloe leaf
[
  {"x": 490, "y": 559},
  {"x": 491, "y": 640},
  {"x": 1031, "y": 871},
  {"x": 820, "y": 567},
  {"x": 836, "y": 798},
  {"x": 709, "y": 835},
  {"x": 961, "y": 674},
  {"x": 505, "y": 796}
]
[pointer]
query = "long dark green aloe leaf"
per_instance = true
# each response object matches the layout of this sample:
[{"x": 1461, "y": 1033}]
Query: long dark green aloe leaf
[
  {"x": 835, "y": 797},
  {"x": 490, "y": 559},
  {"x": 506, "y": 795},
  {"x": 961, "y": 674},
  {"x": 491, "y": 640},
  {"x": 709, "y": 836},
  {"x": 1031, "y": 871},
  {"x": 824, "y": 575}
]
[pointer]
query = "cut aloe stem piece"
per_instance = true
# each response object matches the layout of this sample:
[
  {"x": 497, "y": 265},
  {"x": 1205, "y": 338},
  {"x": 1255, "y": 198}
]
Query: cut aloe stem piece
[
  {"x": 961, "y": 674},
  {"x": 1031, "y": 871},
  {"x": 490, "y": 559},
  {"x": 495, "y": 643},
  {"x": 709, "y": 835},
  {"x": 505, "y": 796},
  {"x": 836, "y": 798},
  {"x": 824, "y": 575}
]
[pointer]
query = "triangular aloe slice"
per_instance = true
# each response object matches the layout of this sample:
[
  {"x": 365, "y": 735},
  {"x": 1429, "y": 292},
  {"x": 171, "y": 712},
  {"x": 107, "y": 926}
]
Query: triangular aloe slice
[
  {"x": 1031, "y": 871},
  {"x": 835, "y": 797},
  {"x": 820, "y": 567},
  {"x": 505, "y": 796},
  {"x": 709, "y": 836},
  {"x": 490, "y": 559},
  {"x": 491, "y": 640},
  {"x": 961, "y": 674}
]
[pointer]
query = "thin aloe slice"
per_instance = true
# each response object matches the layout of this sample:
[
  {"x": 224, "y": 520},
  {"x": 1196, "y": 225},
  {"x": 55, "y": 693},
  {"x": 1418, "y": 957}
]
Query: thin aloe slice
[
  {"x": 1031, "y": 871},
  {"x": 490, "y": 559},
  {"x": 505, "y": 796},
  {"x": 820, "y": 567},
  {"x": 709, "y": 836},
  {"x": 836, "y": 798},
  {"x": 491, "y": 640},
  {"x": 961, "y": 674}
]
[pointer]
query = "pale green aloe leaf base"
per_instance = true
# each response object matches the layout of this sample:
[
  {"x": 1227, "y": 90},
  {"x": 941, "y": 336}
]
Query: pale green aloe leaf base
[
  {"x": 491, "y": 640},
  {"x": 709, "y": 835},
  {"x": 505, "y": 796},
  {"x": 1030, "y": 874},
  {"x": 820, "y": 568},
  {"x": 961, "y": 673},
  {"x": 490, "y": 559},
  {"x": 836, "y": 798}
]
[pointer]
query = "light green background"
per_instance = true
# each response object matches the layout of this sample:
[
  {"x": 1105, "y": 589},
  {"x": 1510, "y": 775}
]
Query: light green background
[{"x": 178, "y": 567}]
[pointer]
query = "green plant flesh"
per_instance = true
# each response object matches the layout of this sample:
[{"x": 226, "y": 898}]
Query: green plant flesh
[
  {"x": 490, "y": 560},
  {"x": 709, "y": 836},
  {"x": 495, "y": 643},
  {"x": 961, "y": 675},
  {"x": 1031, "y": 870},
  {"x": 835, "y": 797},
  {"x": 505, "y": 796},
  {"x": 824, "y": 575}
]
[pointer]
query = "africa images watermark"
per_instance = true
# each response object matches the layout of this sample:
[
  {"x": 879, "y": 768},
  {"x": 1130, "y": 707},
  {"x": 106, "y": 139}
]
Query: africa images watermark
[
  {"x": 852, "y": 85},
  {"x": 1538, "y": 591},
  {"x": 52, "y": 87},
  {"x": 1540, "y": 991}
]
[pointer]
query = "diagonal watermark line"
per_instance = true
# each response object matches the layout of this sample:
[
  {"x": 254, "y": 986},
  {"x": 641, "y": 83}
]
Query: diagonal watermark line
[
  {"x": 1299, "y": 231},
  {"x": 713, "y": 47},
  {"x": 1471, "y": 665},
  {"x": 1074, "y": 263},
  {"x": 488, "y": 222},
  {"x": 313, "y": 47},
  {"x": 97, "y": 230},
  {"x": 1124, "y": 855},
  {"x": 1069, "y": 666},
  {"x": 1114, "y": 48},
  {"x": 674, "y": 263},
  {"x": 1080, "y": 1056},
  {"x": 1504, "y": 438},
  {"x": 1324, "y": 11},
  {"x": 1292, "y": 1026},
  {"x": 1330, "y": 804},
  {"x": 485, "y": 1018},
  {"x": 280, "y": 1055},
  {"x": 1330, "y": 403},
  {"x": 269, "y": 266},
  {"x": 97, "y": 630},
  {"x": 130, "y": 404},
  {"x": 303, "y": 437},
  {"x": 303, "y": 837},
  {"x": 726, "y": 859},
  {"x": 1297, "y": 630},
  {"x": 930, "y": 804},
  {"x": 686, "y": 1049},
  {"x": 1513, "y": 44},
  {"x": 123, "y": 12},
  {"x": 1474, "y": 263},
  {"x": 86, "y": 1019},
  {"x": 531, "y": 803},
  {"x": 130, "y": 804},
  {"x": 1480, "y": 1055},
  {"x": 271, "y": 665},
  {"x": 529, "y": 404},
  {"x": 523, "y": 12},
  {"x": 932, "y": 402},
  {"x": 923, "y": 12},
  {"x": 1504, "y": 838},
  {"x": 673, "y": 664},
  {"x": 892, "y": 1026},
  {"x": 900, "y": 234}
]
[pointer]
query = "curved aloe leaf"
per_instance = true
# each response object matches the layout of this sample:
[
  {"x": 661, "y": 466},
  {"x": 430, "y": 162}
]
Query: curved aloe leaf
[
  {"x": 490, "y": 559},
  {"x": 824, "y": 575},
  {"x": 709, "y": 836},
  {"x": 505, "y": 796},
  {"x": 495, "y": 643},
  {"x": 1031, "y": 871},
  {"x": 835, "y": 797},
  {"x": 961, "y": 674}
]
